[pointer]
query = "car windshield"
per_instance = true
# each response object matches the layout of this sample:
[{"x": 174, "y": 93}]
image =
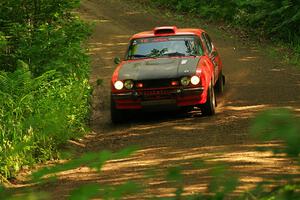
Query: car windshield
[{"x": 164, "y": 47}]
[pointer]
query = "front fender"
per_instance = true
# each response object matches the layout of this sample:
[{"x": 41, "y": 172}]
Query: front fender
[{"x": 205, "y": 70}]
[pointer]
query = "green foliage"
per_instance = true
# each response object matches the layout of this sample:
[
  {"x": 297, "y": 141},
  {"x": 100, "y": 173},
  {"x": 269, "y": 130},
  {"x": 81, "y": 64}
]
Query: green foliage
[
  {"x": 174, "y": 174},
  {"x": 223, "y": 182},
  {"x": 42, "y": 33},
  {"x": 93, "y": 160},
  {"x": 85, "y": 192},
  {"x": 3, "y": 42},
  {"x": 38, "y": 115},
  {"x": 89, "y": 191},
  {"x": 44, "y": 89},
  {"x": 276, "y": 20},
  {"x": 281, "y": 125},
  {"x": 284, "y": 192},
  {"x": 221, "y": 185}
]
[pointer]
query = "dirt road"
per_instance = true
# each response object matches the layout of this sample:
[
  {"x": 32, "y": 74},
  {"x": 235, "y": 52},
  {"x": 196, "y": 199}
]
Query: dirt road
[{"x": 254, "y": 82}]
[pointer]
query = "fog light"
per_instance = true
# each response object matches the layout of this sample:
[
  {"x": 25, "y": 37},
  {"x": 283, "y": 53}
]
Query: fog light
[
  {"x": 185, "y": 81},
  {"x": 128, "y": 84}
]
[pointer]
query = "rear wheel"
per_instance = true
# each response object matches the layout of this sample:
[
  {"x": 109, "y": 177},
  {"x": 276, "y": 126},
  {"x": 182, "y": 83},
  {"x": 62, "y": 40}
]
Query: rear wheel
[
  {"x": 117, "y": 116},
  {"x": 209, "y": 107}
]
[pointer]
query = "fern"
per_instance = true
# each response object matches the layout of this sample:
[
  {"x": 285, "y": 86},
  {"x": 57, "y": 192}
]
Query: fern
[{"x": 44, "y": 92}]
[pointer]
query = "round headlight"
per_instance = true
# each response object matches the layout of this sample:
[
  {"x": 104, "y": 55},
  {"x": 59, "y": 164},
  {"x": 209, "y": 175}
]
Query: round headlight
[
  {"x": 185, "y": 81},
  {"x": 195, "y": 80},
  {"x": 128, "y": 84},
  {"x": 119, "y": 85}
]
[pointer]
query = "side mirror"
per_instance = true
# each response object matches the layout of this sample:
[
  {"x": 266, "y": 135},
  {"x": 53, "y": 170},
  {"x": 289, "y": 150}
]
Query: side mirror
[{"x": 117, "y": 60}]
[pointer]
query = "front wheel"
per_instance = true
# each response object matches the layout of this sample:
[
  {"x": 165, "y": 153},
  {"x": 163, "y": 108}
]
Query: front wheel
[
  {"x": 209, "y": 107},
  {"x": 117, "y": 116}
]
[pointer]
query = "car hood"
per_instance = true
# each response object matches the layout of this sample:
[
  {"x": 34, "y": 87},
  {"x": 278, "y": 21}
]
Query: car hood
[{"x": 158, "y": 68}]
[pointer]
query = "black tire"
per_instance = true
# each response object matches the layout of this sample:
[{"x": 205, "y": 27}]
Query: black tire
[
  {"x": 219, "y": 87},
  {"x": 117, "y": 116},
  {"x": 186, "y": 109},
  {"x": 209, "y": 108}
]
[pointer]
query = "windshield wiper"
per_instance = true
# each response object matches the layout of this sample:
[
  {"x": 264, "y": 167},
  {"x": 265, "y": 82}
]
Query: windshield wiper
[
  {"x": 193, "y": 54},
  {"x": 137, "y": 56},
  {"x": 173, "y": 54},
  {"x": 144, "y": 56}
]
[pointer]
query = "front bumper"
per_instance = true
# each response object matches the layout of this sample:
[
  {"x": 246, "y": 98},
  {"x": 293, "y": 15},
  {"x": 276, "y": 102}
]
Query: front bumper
[{"x": 159, "y": 98}]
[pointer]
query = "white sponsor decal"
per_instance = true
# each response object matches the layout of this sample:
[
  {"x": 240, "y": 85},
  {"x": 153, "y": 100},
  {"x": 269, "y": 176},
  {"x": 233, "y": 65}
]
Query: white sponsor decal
[{"x": 183, "y": 62}]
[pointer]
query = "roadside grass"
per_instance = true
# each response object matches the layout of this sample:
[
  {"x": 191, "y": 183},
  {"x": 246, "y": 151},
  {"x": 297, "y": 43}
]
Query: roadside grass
[{"x": 283, "y": 52}]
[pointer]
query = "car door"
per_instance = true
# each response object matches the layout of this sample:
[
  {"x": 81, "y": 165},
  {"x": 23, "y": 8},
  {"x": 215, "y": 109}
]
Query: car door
[{"x": 212, "y": 54}]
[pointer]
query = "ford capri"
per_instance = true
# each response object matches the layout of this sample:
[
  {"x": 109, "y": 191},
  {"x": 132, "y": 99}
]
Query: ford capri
[{"x": 167, "y": 68}]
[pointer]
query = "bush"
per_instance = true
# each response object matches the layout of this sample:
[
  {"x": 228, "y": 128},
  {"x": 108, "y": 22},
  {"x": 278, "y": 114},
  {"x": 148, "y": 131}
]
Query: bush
[
  {"x": 44, "y": 89},
  {"x": 276, "y": 20}
]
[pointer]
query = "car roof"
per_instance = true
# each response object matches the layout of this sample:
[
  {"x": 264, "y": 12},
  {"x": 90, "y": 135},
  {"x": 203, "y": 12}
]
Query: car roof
[{"x": 168, "y": 31}]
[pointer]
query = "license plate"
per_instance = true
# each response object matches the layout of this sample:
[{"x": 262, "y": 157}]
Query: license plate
[
  {"x": 159, "y": 102},
  {"x": 156, "y": 93}
]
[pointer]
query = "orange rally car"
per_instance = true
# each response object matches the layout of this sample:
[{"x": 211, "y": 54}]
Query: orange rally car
[{"x": 167, "y": 68}]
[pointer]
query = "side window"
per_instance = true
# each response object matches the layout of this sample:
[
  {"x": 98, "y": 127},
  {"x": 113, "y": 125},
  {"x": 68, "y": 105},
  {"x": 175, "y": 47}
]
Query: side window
[
  {"x": 199, "y": 47},
  {"x": 207, "y": 42}
]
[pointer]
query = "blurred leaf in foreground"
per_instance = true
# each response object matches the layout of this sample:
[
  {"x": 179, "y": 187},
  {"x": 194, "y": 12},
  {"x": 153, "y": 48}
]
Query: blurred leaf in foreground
[
  {"x": 279, "y": 124},
  {"x": 223, "y": 181},
  {"x": 85, "y": 192},
  {"x": 93, "y": 160},
  {"x": 174, "y": 174}
]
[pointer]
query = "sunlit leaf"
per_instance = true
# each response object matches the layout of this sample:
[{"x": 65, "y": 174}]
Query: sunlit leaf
[
  {"x": 279, "y": 124},
  {"x": 179, "y": 191},
  {"x": 125, "y": 152},
  {"x": 30, "y": 196},
  {"x": 230, "y": 184},
  {"x": 99, "y": 162},
  {"x": 151, "y": 173},
  {"x": 122, "y": 190},
  {"x": 83, "y": 160},
  {"x": 174, "y": 174},
  {"x": 85, "y": 192},
  {"x": 199, "y": 164}
]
